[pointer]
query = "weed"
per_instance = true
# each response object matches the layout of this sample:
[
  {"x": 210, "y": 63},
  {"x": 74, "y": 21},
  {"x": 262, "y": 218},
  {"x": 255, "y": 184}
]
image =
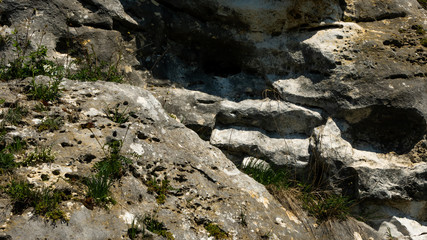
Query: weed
[
  {"x": 17, "y": 145},
  {"x": 50, "y": 124},
  {"x": 215, "y": 231},
  {"x": 7, "y": 162},
  {"x": 28, "y": 65},
  {"x": 116, "y": 115},
  {"x": 242, "y": 219},
  {"x": 319, "y": 203},
  {"x": 133, "y": 230},
  {"x": 98, "y": 189},
  {"x": 154, "y": 226},
  {"x": 91, "y": 69},
  {"x": 112, "y": 165},
  {"x": 266, "y": 175},
  {"x": 40, "y": 155},
  {"x": 14, "y": 114},
  {"x": 45, "y": 92},
  {"x": 45, "y": 201},
  {"x": 2, "y": 101},
  {"x": 324, "y": 206},
  {"x": 160, "y": 189},
  {"x": 424, "y": 42}
]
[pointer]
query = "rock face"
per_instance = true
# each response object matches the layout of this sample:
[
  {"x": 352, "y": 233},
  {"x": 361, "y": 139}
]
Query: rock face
[
  {"x": 207, "y": 186},
  {"x": 335, "y": 90}
]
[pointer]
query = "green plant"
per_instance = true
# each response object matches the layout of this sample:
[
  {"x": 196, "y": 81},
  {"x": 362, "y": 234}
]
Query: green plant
[
  {"x": 99, "y": 189},
  {"x": 319, "y": 203},
  {"x": 133, "y": 230},
  {"x": 161, "y": 189},
  {"x": 116, "y": 115},
  {"x": 28, "y": 64},
  {"x": 14, "y": 114},
  {"x": 91, "y": 69},
  {"x": 424, "y": 42},
  {"x": 7, "y": 162},
  {"x": 154, "y": 226},
  {"x": 45, "y": 201},
  {"x": 114, "y": 162},
  {"x": 40, "y": 155},
  {"x": 266, "y": 175},
  {"x": 324, "y": 205},
  {"x": 215, "y": 231},
  {"x": 44, "y": 92},
  {"x": 242, "y": 219},
  {"x": 50, "y": 124},
  {"x": 17, "y": 145}
]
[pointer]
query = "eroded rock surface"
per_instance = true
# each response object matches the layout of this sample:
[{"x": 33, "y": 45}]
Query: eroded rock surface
[{"x": 337, "y": 83}]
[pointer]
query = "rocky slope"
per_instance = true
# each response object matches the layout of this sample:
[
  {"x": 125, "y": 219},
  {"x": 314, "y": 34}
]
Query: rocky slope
[{"x": 331, "y": 89}]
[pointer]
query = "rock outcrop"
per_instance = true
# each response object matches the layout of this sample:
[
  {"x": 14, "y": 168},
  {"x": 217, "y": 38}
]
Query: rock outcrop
[{"x": 335, "y": 90}]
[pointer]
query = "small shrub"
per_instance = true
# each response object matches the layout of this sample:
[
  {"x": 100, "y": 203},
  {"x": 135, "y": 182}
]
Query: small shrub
[
  {"x": 40, "y": 155},
  {"x": 14, "y": 114},
  {"x": 116, "y": 115},
  {"x": 161, "y": 189},
  {"x": 154, "y": 226},
  {"x": 215, "y": 231},
  {"x": 45, "y": 92},
  {"x": 424, "y": 42}
]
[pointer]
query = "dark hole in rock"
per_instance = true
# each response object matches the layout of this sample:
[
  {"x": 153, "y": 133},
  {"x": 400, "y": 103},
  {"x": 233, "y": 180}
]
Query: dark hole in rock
[
  {"x": 385, "y": 129},
  {"x": 87, "y": 158}
]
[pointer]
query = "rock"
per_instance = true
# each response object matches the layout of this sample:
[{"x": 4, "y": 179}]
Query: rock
[
  {"x": 291, "y": 151},
  {"x": 364, "y": 174},
  {"x": 272, "y": 116},
  {"x": 403, "y": 228}
]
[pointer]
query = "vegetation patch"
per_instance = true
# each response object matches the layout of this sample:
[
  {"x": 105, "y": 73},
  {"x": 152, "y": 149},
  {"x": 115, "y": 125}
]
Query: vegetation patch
[
  {"x": 157, "y": 227},
  {"x": 116, "y": 115},
  {"x": 40, "y": 155},
  {"x": 98, "y": 192},
  {"x": 114, "y": 163},
  {"x": 91, "y": 69},
  {"x": 161, "y": 189},
  {"x": 45, "y": 201},
  {"x": 45, "y": 92},
  {"x": 215, "y": 231},
  {"x": 50, "y": 124},
  {"x": 321, "y": 204},
  {"x": 7, "y": 162},
  {"x": 14, "y": 114},
  {"x": 26, "y": 63}
]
